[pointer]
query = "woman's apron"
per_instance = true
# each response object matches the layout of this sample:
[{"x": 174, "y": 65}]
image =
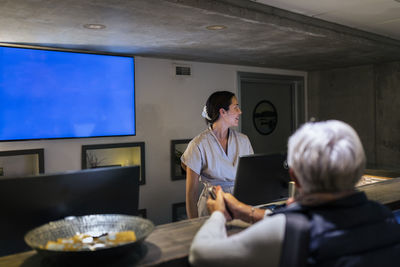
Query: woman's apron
[{"x": 227, "y": 187}]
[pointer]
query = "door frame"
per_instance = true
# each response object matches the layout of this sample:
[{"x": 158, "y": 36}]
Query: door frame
[{"x": 299, "y": 107}]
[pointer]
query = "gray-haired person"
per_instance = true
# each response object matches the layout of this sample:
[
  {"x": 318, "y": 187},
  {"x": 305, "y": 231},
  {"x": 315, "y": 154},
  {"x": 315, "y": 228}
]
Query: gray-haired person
[{"x": 326, "y": 160}]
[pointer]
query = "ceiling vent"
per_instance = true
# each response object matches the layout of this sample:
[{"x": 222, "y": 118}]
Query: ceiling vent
[{"x": 182, "y": 70}]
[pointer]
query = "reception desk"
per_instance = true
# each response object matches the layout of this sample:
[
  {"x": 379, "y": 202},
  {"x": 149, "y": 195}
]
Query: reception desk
[{"x": 169, "y": 244}]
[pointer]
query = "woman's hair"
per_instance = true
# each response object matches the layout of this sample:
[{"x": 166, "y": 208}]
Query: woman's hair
[
  {"x": 216, "y": 101},
  {"x": 326, "y": 156}
]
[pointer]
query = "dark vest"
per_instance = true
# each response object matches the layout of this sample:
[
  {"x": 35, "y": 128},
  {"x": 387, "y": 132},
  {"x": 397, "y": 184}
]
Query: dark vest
[{"x": 351, "y": 231}]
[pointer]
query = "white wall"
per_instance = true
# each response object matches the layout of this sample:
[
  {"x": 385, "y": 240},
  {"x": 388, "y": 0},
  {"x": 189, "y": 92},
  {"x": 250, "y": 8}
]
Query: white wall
[{"x": 167, "y": 107}]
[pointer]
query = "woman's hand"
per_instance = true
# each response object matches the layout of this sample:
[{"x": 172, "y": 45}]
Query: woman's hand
[
  {"x": 218, "y": 203},
  {"x": 238, "y": 209}
]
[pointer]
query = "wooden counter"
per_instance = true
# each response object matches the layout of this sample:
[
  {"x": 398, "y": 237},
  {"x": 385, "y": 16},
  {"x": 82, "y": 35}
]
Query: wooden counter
[
  {"x": 386, "y": 192},
  {"x": 387, "y": 172},
  {"x": 169, "y": 244}
]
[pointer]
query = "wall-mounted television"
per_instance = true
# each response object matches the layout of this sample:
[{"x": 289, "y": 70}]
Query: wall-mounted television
[{"x": 47, "y": 94}]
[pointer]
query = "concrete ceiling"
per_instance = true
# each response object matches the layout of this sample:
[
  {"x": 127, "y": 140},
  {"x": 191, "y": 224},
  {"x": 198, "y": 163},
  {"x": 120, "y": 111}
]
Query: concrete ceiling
[
  {"x": 377, "y": 16},
  {"x": 256, "y": 34}
]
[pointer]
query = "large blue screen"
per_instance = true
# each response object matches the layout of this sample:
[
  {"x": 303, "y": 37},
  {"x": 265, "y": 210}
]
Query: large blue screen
[{"x": 54, "y": 94}]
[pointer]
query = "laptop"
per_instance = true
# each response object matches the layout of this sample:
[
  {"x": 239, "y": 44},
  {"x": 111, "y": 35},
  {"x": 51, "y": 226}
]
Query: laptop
[{"x": 261, "y": 179}]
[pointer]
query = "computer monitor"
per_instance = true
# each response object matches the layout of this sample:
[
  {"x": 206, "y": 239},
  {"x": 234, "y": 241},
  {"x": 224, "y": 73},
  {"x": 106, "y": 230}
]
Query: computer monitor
[
  {"x": 28, "y": 202},
  {"x": 261, "y": 179}
]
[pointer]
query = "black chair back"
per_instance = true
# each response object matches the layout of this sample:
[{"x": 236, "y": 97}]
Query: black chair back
[{"x": 28, "y": 202}]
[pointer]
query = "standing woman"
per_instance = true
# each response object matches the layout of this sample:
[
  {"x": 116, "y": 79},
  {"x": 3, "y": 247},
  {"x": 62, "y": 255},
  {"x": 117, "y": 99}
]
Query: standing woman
[{"x": 212, "y": 157}]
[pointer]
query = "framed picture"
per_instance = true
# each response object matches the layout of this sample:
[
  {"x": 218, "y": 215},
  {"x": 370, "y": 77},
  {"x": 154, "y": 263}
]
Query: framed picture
[
  {"x": 179, "y": 211},
  {"x": 177, "y": 149},
  {"x": 105, "y": 166},
  {"x": 22, "y": 162},
  {"x": 111, "y": 155},
  {"x": 265, "y": 117}
]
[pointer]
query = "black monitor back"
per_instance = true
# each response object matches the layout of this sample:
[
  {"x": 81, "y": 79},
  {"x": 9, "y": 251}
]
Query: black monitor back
[
  {"x": 28, "y": 202},
  {"x": 262, "y": 179}
]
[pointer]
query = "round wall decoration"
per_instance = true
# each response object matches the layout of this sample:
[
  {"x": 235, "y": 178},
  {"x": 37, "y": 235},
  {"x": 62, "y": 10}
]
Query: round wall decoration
[{"x": 265, "y": 117}]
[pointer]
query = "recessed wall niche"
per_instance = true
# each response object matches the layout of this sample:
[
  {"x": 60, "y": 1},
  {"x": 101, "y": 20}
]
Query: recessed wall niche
[
  {"x": 21, "y": 162},
  {"x": 112, "y": 155}
]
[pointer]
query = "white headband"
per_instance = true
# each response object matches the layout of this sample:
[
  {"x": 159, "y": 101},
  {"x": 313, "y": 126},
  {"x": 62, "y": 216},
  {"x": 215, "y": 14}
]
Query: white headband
[{"x": 204, "y": 114}]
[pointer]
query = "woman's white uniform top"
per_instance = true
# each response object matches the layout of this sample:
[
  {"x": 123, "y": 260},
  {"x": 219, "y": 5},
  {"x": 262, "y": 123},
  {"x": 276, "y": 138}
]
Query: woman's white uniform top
[{"x": 206, "y": 157}]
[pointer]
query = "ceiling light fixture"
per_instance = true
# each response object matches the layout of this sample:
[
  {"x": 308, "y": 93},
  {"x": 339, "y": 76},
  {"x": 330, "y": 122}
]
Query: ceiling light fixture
[
  {"x": 216, "y": 27},
  {"x": 94, "y": 26}
]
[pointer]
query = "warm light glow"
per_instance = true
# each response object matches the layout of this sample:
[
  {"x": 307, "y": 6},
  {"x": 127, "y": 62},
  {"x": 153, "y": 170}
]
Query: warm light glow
[
  {"x": 94, "y": 26},
  {"x": 216, "y": 27}
]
